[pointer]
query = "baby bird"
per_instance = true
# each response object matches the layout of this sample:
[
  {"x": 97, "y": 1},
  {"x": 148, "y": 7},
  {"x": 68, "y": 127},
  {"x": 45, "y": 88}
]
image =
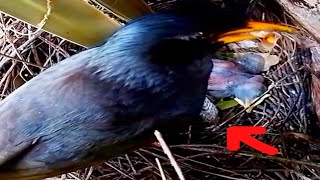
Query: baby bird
[{"x": 236, "y": 79}]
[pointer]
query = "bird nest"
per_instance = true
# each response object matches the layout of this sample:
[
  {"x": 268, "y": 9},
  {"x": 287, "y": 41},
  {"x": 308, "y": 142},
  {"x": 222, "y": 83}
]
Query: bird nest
[{"x": 201, "y": 150}]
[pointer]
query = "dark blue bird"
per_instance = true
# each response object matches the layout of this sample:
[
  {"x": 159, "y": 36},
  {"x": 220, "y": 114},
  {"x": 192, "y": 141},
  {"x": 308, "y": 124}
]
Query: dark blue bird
[{"x": 107, "y": 100}]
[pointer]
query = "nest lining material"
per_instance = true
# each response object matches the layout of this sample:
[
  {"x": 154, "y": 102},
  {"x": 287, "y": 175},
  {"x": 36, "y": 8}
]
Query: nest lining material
[{"x": 201, "y": 151}]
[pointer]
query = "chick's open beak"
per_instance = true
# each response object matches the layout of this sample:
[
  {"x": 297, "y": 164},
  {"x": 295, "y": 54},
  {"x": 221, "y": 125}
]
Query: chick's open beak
[
  {"x": 247, "y": 104},
  {"x": 253, "y": 30},
  {"x": 250, "y": 104},
  {"x": 244, "y": 103}
]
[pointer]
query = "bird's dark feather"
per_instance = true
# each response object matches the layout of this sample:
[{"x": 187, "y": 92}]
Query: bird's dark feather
[
  {"x": 103, "y": 101},
  {"x": 109, "y": 99}
]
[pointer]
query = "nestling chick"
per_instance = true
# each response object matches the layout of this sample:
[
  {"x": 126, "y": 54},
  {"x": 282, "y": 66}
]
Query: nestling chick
[
  {"x": 251, "y": 63},
  {"x": 247, "y": 92},
  {"x": 229, "y": 79}
]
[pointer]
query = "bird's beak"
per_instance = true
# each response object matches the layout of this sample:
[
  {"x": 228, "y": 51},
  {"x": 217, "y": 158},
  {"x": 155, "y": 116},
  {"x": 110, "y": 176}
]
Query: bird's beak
[
  {"x": 247, "y": 104},
  {"x": 253, "y": 30},
  {"x": 244, "y": 103},
  {"x": 250, "y": 104}
]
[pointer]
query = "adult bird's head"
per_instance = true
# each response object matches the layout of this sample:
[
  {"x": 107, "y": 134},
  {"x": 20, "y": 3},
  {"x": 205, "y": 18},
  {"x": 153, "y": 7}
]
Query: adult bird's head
[
  {"x": 226, "y": 22},
  {"x": 179, "y": 36}
]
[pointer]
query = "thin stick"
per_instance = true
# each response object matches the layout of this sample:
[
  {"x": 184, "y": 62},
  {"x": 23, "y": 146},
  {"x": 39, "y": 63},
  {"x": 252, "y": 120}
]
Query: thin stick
[
  {"x": 161, "y": 170},
  {"x": 22, "y": 61},
  {"x": 167, "y": 151}
]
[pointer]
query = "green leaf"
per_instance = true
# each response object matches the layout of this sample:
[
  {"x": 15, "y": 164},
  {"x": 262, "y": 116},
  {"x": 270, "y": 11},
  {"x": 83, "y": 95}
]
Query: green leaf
[
  {"x": 226, "y": 104},
  {"x": 127, "y": 9},
  {"x": 74, "y": 20}
]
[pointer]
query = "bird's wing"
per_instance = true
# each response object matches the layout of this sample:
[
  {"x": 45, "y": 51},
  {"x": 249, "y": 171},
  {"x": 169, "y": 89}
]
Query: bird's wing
[
  {"x": 72, "y": 114},
  {"x": 9, "y": 154}
]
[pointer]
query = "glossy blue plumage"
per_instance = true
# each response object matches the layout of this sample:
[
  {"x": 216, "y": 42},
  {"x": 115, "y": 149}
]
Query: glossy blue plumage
[{"x": 105, "y": 101}]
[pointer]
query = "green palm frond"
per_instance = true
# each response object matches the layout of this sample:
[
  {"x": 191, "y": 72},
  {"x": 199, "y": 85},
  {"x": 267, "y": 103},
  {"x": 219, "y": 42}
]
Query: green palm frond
[{"x": 74, "y": 20}]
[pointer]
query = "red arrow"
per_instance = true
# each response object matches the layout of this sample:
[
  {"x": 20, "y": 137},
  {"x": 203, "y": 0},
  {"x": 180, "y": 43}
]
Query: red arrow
[{"x": 237, "y": 134}]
